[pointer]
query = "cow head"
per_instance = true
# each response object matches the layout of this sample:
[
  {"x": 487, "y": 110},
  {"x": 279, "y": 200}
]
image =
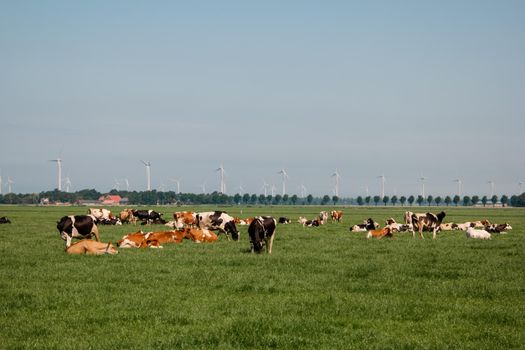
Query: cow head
[{"x": 441, "y": 216}]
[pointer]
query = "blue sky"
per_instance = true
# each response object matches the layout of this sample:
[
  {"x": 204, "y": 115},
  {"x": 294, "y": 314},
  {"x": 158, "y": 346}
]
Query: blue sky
[{"x": 400, "y": 88}]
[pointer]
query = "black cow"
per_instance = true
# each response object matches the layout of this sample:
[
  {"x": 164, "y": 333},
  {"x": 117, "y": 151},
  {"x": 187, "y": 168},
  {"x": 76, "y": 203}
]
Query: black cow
[
  {"x": 4, "y": 220},
  {"x": 427, "y": 222},
  {"x": 218, "y": 220},
  {"x": 77, "y": 226},
  {"x": 147, "y": 216},
  {"x": 262, "y": 232}
]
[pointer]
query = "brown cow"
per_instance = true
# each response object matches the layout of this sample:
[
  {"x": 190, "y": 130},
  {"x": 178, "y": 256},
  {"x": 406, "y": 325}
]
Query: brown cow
[
  {"x": 87, "y": 246},
  {"x": 379, "y": 233},
  {"x": 200, "y": 235},
  {"x": 337, "y": 215}
]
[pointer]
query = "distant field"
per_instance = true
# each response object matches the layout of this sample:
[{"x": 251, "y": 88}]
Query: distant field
[{"x": 323, "y": 288}]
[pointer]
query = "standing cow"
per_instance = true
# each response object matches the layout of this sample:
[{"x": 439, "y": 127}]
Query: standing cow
[
  {"x": 77, "y": 226},
  {"x": 428, "y": 222},
  {"x": 262, "y": 232},
  {"x": 218, "y": 220}
]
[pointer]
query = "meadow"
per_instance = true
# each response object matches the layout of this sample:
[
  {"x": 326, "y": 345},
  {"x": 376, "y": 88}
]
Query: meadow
[{"x": 322, "y": 288}]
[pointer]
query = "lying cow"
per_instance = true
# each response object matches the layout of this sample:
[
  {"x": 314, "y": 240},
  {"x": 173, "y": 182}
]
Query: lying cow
[
  {"x": 367, "y": 225},
  {"x": 429, "y": 222},
  {"x": 155, "y": 239},
  {"x": 77, "y": 226},
  {"x": 384, "y": 232},
  {"x": 4, "y": 220},
  {"x": 478, "y": 234},
  {"x": 495, "y": 228},
  {"x": 284, "y": 220},
  {"x": 148, "y": 216},
  {"x": 87, "y": 246},
  {"x": 100, "y": 214},
  {"x": 218, "y": 220},
  {"x": 126, "y": 216},
  {"x": 185, "y": 218},
  {"x": 396, "y": 227},
  {"x": 133, "y": 240},
  {"x": 262, "y": 233},
  {"x": 200, "y": 235}
]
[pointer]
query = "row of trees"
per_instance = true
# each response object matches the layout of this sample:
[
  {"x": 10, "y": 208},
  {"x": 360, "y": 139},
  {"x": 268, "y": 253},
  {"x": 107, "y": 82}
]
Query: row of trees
[{"x": 155, "y": 197}]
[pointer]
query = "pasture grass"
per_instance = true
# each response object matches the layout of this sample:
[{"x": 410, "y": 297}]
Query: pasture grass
[{"x": 322, "y": 288}]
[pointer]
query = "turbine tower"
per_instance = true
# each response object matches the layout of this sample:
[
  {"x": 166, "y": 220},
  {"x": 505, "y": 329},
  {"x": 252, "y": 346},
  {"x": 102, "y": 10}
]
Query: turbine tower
[
  {"x": 422, "y": 178},
  {"x": 177, "y": 181},
  {"x": 383, "y": 179},
  {"x": 459, "y": 186},
  {"x": 337, "y": 178},
  {"x": 126, "y": 181},
  {"x": 117, "y": 184},
  {"x": 0, "y": 181},
  {"x": 303, "y": 190},
  {"x": 67, "y": 181},
  {"x": 203, "y": 187},
  {"x": 222, "y": 184},
  {"x": 265, "y": 187},
  {"x": 520, "y": 186},
  {"x": 59, "y": 169},
  {"x": 9, "y": 184},
  {"x": 285, "y": 176},
  {"x": 147, "y": 164},
  {"x": 491, "y": 182}
]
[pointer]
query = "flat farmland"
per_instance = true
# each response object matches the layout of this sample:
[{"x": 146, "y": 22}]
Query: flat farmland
[{"x": 322, "y": 288}]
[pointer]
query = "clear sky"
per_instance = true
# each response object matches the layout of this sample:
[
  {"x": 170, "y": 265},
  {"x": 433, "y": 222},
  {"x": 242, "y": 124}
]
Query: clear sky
[{"x": 400, "y": 88}]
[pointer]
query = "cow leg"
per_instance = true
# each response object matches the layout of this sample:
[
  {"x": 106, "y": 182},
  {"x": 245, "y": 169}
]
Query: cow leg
[
  {"x": 94, "y": 232},
  {"x": 269, "y": 245},
  {"x": 434, "y": 233},
  {"x": 421, "y": 232},
  {"x": 68, "y": 241}
]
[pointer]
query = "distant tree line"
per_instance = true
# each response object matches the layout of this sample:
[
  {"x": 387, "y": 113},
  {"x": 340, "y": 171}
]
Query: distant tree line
[{"x": 158, "y": 197}]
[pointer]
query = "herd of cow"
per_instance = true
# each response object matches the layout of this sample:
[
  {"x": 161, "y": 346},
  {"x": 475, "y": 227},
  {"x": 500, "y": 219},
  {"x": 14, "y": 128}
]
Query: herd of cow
[{"x": 207, "y": 226}]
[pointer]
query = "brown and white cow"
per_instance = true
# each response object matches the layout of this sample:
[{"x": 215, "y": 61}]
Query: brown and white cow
[
  {"x": 77, "y": 226},
  {"x": 384, "y": 232},
  {"x": 200, "y": 235},
  {"x": 133, "y": 240},
  {"x": 323, "y": 217},
  {"x": 337, "y": 215},
  {"x": 87, "y": 246},
  {"x": 429, "y": 222},
  {"x": 126, "y": 216},
  {"x": 185, "y": 218},
  {"x": 161, "y": 237}
]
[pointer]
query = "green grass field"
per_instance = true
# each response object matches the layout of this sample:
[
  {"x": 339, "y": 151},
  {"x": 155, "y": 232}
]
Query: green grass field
[{"x": 322, "y": 288}]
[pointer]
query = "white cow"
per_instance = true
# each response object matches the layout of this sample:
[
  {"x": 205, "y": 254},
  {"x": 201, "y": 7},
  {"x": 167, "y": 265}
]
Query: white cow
[{"x": 479, "y": 234}]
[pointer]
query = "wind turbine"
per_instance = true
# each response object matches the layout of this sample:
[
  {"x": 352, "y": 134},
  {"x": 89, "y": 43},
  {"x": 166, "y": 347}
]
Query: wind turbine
[
  {"x": 0, "y": 181},
  {"x": 67, "y": 181},
  {"x": 222, "y": 184},
  {"x": 285, "y": 176},
  {"x": 367, "y": 191},
  {"x": 491, "y": 182},
  {"x": 273, "y": 189},
  {"x": 59, "y": 168},
  {"x": 177, "y": 181},
  {"x": 147, "y": 164},
  {"x": 265, "y": 187},
  {"x": 126, "y": 181},
  {"x": 520, "y": 186},
  {"x": 303, "y": 190},
  {"x": 203, "y": 187},
  {"x": 383, "y": 179},
  {"x": 459, "y": 186},
  {"x": 337, "y": 178},
  {"x": 9, "y": 184},
  {"x": 422, "y": 178},
  {"x": 117, "y": 184},
  {"x": 241, "y": 189}
]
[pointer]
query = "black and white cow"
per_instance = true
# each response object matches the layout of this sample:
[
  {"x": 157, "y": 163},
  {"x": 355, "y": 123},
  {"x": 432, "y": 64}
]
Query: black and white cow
[
  {"x": 148, "y": 216},
  {"x": 428, "y": 222},
  {"x": 218, "y": 220},
  {"x": 262, "y": 232},
  {"x": 4, "y": 220},
  {"x": 367, "y": 225},
  {"x": 284, "y": 220},
  {"x": 77, "y": 226}
]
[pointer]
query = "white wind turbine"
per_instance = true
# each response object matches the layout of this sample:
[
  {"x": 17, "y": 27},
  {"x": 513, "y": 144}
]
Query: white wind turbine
[
  {"x": 460, "y": 183},
  {"x": 147, "y": 164},
  {"x": 177, "y": 181},
  {"x": 67, "y": 182},
  {"x": 303, "y": 190},
  {"x": 59, "y": 169},
  {"x": 273, "y": 190},
  {"x": 285, "y": 176},
  {"x": 0, "y": 181},
  {"x": 241, "y": 189},
  {"x": 222, "y": 183},
  {"x": 265, "y": 187},
  {"x": 9, "y": 184},
  {"x": 367, "y": 191},
  {"x": 203, "y": 187},
  {"x": 117, "y": 184},
  {"x": 422, "y": 178},
  {"x": 491, "y": 182},
  {"x": 383, "y": 180},
  {"x": 337, "y": 178},
  {"x": 126, "y": 181},
  {"x": 520, "y": 186}
]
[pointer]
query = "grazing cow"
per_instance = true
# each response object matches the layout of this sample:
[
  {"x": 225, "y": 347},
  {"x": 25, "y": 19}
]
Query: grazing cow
[
  {"x": 218, "y": 220},
  {"x": 429, "y": 222},
  {"x": 133, "y": 240},
  {"x": 87, "y": 246},
  {"x": 395, "y": 227},
  {"x": 323, "y": 217},
  {"x": 126, "y": 216},
  {"x": 200, "y": 235},
  {"x": 284, "y": 220},
  {"x": 185, "y": 218},
  {"x": 495, "y": 228},
  {"x": 100, "y": 214},
  {"x": 367, "y": 225},
  {"x": 384, "y": 232},
  {"x": 4, "y": 220},
  {"x": 77, "y": 226},
  {"x": 337, "y": 215},
  {"x": 479, "y": 234},
  {"x": 148, "y": 216},
  {"x": 262, "y": 233}
]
